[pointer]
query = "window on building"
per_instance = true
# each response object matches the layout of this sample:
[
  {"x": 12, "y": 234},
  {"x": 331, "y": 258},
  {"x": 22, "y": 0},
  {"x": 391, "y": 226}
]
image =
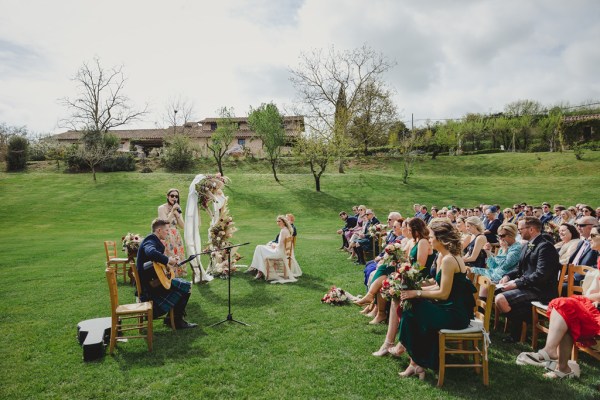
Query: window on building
[{"x": 242, "y": 142}]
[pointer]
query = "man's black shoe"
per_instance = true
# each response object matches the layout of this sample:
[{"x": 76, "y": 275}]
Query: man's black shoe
[{"x": 183, "y": 324}]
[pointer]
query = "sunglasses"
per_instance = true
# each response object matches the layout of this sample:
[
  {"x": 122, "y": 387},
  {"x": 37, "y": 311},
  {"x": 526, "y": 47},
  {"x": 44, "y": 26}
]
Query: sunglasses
[
  {"x": 173, "y": 196},
  {"x": 582, "y": 225},
  {"x": 502, "y": 236},
  {"x": 594, "y": 235}
]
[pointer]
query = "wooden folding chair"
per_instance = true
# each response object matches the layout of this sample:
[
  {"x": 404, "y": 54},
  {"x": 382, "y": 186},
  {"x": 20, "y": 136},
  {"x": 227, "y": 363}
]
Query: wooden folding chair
[
  {"x": 127, "y": 317},
  {"x": 138, "y": 288},
  {"x": 477, "y": 334},
  {"x": 539, "y": 320},
  {"x": 284, "y": 264},
  {"x": 114, "y": 262}
]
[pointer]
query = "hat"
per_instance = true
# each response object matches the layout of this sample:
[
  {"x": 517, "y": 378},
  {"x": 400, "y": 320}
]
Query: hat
[{"x": 493, "y": 209}]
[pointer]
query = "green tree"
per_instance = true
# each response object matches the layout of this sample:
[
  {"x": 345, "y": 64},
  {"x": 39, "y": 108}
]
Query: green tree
[
  {"x": 179, "y": 153},
  {"x": 16, "y": 158},
  {"x": 97, "y": 148},
  {"x": 317, "y": 152},
  {"x": 329, "y": 86},
  {"x": 223, "y": 136},
  {"x": 267, "y": 123}
]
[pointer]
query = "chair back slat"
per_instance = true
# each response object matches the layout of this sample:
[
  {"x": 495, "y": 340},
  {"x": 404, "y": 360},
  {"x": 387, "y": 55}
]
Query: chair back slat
[
  {"x": 561, "y": 278},
  {"x": 573, "y": 288},
  {"x": 484, "y": 306},
  {"x": 112, "y": 289},
  {"x": 110, "y": 247}
]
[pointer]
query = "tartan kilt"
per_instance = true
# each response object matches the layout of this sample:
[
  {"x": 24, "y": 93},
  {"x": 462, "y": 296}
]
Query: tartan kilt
[{"x": 166, "y": 299}]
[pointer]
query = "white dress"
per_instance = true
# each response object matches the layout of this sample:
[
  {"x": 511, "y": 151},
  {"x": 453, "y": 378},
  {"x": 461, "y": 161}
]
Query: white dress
[{"x": 264, "y": 252}]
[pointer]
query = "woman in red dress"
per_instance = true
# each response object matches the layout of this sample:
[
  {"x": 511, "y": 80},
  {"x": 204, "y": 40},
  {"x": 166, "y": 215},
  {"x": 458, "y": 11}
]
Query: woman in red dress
[{"x": 572, "y": 319}]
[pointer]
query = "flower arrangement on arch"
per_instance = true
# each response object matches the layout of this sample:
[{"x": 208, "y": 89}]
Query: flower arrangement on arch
[
  {"x": 378, "y": 230},
  {"x": 131, "y": 242},
  {"x": 336, "y": 297},
  {"x": 209, "y": 187}
]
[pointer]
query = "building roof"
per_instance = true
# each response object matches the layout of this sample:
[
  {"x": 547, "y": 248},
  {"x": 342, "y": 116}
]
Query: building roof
[{"x": 576, "y": 118}]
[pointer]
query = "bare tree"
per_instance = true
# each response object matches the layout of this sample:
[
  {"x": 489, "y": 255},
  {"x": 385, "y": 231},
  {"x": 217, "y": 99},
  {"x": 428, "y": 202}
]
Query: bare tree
[
  {"x": 100, "y": 104},
  {"x": 177, "y": 113},
  {"x": 329, "y": 84},
  {"x": 223, "y": 136}
]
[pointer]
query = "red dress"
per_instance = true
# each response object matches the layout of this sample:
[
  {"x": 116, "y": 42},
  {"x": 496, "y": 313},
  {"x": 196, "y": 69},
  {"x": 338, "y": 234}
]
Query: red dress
[{"x": 582, "y": 318}]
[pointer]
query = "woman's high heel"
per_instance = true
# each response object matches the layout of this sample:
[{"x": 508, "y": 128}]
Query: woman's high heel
[
  {"x": 410, "y": 371},
  {"x": 368, "y": 299},
  {"x": 384, "y": 349},
  {"x": 397, "y": 350}
]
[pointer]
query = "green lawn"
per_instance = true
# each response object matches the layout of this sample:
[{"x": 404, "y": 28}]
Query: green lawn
[{"x": 52, "y": 269}]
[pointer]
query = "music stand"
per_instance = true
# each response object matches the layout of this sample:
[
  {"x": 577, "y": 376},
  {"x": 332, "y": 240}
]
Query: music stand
[{"x": 229, "y": 315}]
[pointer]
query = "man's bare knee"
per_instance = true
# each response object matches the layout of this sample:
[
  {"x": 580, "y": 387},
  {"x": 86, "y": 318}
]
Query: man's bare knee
[{"x": 502, "y": 304}]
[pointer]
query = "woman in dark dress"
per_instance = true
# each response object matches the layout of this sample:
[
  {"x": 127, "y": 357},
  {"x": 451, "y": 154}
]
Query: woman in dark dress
[{"x": 447, "y": 305}]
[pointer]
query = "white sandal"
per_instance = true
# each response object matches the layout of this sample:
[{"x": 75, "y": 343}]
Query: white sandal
[{"x": 539, "y": 359}]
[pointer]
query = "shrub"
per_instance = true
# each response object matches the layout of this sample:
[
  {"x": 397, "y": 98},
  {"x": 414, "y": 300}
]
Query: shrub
[
  {"x": 37, "y": 151},
  {"x": 74, "y": 162},
  {"x": 16, "y": 157},
  {"x": 120, "y": 162},
  {"x": 179, "y": 153}
]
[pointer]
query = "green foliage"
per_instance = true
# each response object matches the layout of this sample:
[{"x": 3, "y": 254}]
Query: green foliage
[
  {"x": 16, "y": 157},
  {"x": 119, "y": 162},
  {"x": 267, "y": 123},
  {"x": 223, "y": 136},
  {"x": 296, "y": 347},
  {"x": 578, "y": 151},
  {"x": 179, "y": 153}
]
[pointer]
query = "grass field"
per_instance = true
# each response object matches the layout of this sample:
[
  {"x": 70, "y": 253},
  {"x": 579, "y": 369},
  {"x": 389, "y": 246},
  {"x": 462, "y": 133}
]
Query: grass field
[{"x": 52, "y": 269}]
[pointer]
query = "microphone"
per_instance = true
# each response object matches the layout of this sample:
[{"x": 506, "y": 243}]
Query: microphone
[{"x": 178, "y": 210}]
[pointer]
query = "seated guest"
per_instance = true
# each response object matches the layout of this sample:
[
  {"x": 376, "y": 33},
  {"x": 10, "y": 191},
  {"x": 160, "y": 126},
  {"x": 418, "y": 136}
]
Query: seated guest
[
  {"x": 391, "y": 237},
  {"x": 353, "y": 233},
  {"x": 572, "y": 319},
  {"x": 364, "y": 243},
  {"x": 491, "y": 225},
  {"x": 349, "y": 223},
  {"x": 461, "y": 226},
  {"x": 447, "y": 305},
  {"x": 566, "y": 218},
  {"x": 558, "y": 209},
  {"x": 425, "y": 216},
  {"x": 588, "y": 211},
  {"x": 474, "y": 254},
  {"x": 163, "y": 300},
  {"x": 417, "y": 209},
  {"x": 291, "y": 219},
  {"x": 569, "y": 239},
  {"x": 584, "y": 254},
  {"x": 509, "y": 216},
  {"x": 534, "y": 279},
  {"x": 507, "y": 258},
  {"x": 263, "y": 254},
  {"x": 546, "y": 213}
]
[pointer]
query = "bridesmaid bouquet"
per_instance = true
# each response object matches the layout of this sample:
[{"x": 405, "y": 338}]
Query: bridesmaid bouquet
[
  {"x": 406, "y": 277},
  {"x": 394, "y": 255},
  {"x": 337, "y": 297},
  {"x": 377, "y": 230}
]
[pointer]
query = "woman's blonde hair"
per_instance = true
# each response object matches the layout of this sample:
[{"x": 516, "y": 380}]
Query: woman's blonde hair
[
  {"x": 283, "y": 219},
  {"x": 509, "y": 228},
  {"x": 476, "y": 222},
  {"x": 509, "y": 210},
  {"x": 447, "y": 235}
]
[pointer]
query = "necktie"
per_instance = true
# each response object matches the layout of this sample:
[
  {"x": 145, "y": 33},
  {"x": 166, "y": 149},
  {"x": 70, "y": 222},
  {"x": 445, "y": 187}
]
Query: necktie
[{"x": 581, "y": 251}]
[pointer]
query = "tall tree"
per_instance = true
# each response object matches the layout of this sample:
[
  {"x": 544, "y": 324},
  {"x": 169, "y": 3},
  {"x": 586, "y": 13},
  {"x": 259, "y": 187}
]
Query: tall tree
[
  {"x": 223, "y": 135},
  {"x": 267, "y": 123},
  {"x": 177, "y": 113},
  {"x": 100, "y": 104},
  {"x": 376, "y": 112},
  {"x": 329, "y": 84}
]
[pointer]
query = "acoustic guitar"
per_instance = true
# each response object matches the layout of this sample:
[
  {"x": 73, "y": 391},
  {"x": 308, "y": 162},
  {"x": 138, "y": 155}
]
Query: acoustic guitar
[{"x": 164, "y": 273}]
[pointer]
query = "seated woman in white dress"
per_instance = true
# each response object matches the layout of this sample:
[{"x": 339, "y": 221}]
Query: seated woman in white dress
[{"x": 266, "y": 256}]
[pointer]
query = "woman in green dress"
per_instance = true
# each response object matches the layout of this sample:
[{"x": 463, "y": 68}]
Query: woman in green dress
[{"x": 447, "y": 305}]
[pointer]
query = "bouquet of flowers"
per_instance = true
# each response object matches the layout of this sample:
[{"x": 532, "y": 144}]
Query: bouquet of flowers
[
  {"x": 410, "y": 279},
  {"x": 392, "y": 286},
  {"x": 336, "y": 297},
  {"x": 377, "y": 230},
  {"x": 394, "y": 255},
  {"x": 131, "y": 242}
]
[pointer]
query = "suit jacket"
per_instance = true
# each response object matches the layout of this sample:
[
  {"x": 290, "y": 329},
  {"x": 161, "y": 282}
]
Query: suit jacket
[
  {"x": 492, "y": 226},
  {"x": 350, "y": 223},
  {"x": 546, "y": 218},
  {"x": 151, "y": 249},
  {"x": 589, "y": 257},
  {"x": 538, "y": 269}
]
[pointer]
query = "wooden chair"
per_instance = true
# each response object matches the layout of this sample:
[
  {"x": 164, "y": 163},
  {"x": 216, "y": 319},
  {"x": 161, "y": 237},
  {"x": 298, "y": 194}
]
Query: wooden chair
[
  {"x": 138, "y": 288},
  {"x": 477, "y": 334},
  {"x": 127, "y": 317},
  {"x": 572, "y": 288},
  {"x": 114, "y": 262},
  {"x": 539, "y": 320},
  {"x": 284, "y": 264}
]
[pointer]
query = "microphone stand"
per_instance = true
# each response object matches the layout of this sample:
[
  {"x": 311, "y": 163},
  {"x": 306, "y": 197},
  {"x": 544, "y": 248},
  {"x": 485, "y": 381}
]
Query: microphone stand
[{"x": 229, "y": 315}]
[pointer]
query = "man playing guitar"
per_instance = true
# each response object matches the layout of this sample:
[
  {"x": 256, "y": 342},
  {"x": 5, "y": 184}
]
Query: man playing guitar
[{"x": 176, "y": 297}]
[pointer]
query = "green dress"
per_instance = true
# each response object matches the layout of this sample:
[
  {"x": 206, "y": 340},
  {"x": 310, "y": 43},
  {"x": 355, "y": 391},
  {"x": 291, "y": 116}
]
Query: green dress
[{"x": 419, "y": 326}]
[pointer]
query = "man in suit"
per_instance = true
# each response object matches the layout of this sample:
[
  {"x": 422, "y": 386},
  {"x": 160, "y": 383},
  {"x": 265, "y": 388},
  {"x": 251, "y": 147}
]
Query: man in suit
[
  {"x": 425, "y": 216},
  {"x": 152, "y": 250},
  {"x": 546, "y": 213},
  {"x": 584, "y": 254},
  {"x": 365, "y": 241},
  {"x": 534, "y": 279},
  {"x": 350, "y": 222},
  {"x": 491, "y": 224}
]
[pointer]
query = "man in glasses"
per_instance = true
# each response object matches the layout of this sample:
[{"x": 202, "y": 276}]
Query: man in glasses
[
  {"x": 584, "y": 255},
  {"x": 546, "y": 213},
  {"x": 534, "y": 279}
]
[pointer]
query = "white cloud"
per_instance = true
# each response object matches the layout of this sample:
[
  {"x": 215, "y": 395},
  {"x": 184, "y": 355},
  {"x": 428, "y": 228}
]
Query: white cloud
[{"x": 452, "y": 57}]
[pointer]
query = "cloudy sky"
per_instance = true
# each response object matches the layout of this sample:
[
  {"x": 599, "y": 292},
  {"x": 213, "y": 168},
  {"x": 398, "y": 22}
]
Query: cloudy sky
[{"x": 452, "y": 57}]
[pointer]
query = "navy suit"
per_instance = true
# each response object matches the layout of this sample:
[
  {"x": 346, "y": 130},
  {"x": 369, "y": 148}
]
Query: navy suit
[
  {"x": 492, "y": 226},
  {"x": 366, "y": 242},
  {"x": 589, "y": 258}
]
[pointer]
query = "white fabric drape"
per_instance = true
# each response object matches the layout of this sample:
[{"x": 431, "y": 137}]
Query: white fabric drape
[{"x": 191, "y": 232}]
